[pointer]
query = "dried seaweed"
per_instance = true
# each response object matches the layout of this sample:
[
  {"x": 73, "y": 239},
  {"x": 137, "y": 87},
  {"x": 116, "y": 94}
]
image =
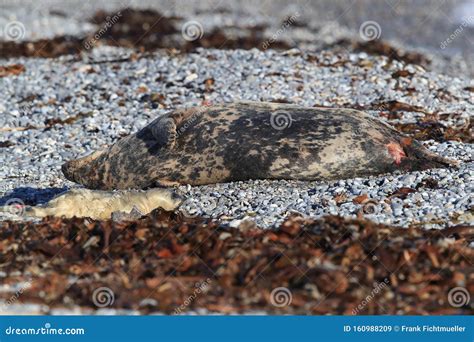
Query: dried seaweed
[
  {"x": 432, "y": 126},
  {"x": 14, "y": 69},
  {"x": 328, "y": 266},
  {"x": 144, "y": 30}
]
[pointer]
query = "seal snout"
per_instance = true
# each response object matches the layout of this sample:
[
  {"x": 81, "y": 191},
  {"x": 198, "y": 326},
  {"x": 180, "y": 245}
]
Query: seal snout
[
  {"x": 82, "y": 170},
  {"x": 68, "y": 170}
]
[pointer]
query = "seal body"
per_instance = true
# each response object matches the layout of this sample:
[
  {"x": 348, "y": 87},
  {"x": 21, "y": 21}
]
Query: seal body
[
  {"x": 103, "y": 205},
  {"x": 251, "y": 140}
]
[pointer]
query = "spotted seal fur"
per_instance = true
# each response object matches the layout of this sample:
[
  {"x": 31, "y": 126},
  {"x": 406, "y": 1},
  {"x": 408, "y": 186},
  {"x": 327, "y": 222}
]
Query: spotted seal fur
[{"x": 251, "y": 140}]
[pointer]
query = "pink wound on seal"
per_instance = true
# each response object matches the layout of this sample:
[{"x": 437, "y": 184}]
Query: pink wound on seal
[{"x": 396, "y": 151}]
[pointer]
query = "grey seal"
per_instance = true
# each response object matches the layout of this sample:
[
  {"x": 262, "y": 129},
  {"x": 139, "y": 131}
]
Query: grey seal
[{"x": 252, "y": 140}]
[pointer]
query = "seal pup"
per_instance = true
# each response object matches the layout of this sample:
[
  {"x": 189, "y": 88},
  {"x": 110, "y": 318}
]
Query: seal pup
[
  {"x": 251, "y": 140},
  {"x": 104, "y": 205}
]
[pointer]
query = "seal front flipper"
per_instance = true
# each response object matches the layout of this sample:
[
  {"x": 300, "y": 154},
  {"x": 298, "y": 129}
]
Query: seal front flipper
[
  {"x": 165, "y": 128},
  {"x": 164, "y": 131}
]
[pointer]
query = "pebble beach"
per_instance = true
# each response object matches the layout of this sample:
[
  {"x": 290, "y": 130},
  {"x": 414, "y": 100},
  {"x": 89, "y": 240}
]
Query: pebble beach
[
  {"x": 78, "y": 76},
  {"x": 88, "y": 106}
]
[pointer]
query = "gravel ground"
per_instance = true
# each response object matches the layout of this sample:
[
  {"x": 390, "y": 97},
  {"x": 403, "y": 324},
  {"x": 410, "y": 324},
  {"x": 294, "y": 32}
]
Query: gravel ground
[
  {"x": 105, "y": 101},
  {"x": 102, "y": 101}
]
